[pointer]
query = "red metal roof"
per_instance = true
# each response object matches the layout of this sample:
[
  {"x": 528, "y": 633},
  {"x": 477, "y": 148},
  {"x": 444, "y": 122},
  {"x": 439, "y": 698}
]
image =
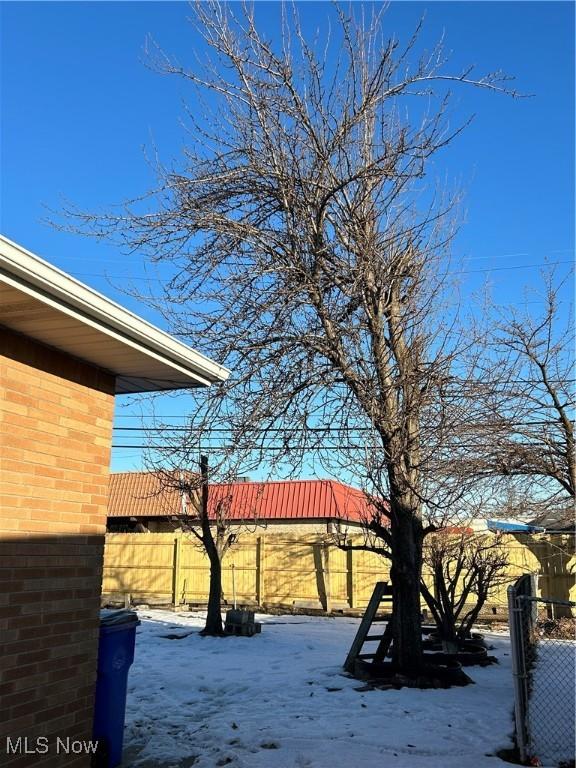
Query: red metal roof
[
  {"x": 290, "y": 500},
  {"x": 141, "y": 494}
]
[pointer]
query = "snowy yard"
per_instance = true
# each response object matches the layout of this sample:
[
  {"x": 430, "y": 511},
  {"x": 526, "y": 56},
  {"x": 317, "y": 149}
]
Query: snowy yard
[{"x": 280, "y": 700}]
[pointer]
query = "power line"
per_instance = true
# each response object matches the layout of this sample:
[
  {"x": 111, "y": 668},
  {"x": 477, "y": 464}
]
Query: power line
[
  {"x": 516, "y": 266},
  {"x": 259, "y": 449},
  {"x": 290, "y": 430},
  {"x": 180, "y": 428},
  {"x": 464, "y": 258},
  {"x": 453, "y": 381},
  {"x": 287, "y": 447},
  {"x": 462, "y": 272}
]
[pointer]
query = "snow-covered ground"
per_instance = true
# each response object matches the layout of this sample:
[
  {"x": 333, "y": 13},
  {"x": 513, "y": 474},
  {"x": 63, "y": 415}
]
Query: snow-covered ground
[
  {"x": 552, "y": 702},
  {"x": 280, "y": 700}
]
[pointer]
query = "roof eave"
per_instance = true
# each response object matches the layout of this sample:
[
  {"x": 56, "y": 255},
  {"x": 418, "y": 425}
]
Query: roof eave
[{"x": 32, "y": 275}]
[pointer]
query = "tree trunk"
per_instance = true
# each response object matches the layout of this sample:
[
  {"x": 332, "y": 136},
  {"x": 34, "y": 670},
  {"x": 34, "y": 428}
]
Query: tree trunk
[
  {"x": 465, "y": 629},
  {"x": 448, "y": 632},
  {"x": 447, "y": 625},
  {"x": 213, "y": 624},
  {"x": 214, "y": 616},
  {"x": 405, "y": 573}
]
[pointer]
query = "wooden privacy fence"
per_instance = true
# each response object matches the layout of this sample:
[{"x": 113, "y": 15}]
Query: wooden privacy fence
[
  {"x": 171, "y": 568},
  {"x": 165, "y": 568}
]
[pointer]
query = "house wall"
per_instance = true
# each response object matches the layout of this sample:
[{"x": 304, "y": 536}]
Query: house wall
[
  {"x": 55, "y": 441},
  {"x": 164, "y": 524}
]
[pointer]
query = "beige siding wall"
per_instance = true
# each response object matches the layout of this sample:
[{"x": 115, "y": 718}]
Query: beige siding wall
[{"x": 301, "y": 571}]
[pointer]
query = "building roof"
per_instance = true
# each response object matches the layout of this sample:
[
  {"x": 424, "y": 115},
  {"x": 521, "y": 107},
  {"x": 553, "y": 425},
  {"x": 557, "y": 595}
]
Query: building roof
[
  {"x": 48, "y": 305},
  {"x": 292, "y": 500},
  {"x": 558, "y": 520},
  {"x": 512, "y": 526},
  {"x": 141, "y": 494}
]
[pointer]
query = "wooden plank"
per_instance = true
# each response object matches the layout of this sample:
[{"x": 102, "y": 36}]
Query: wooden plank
[
  {"x": 325, "y": 559},
  {"x": 260, "y": 571},
  {"x": 177, "y": 571},
  {"x": 350, "y": 578},
  {"x": 384, "y": 645},
  {"x": 365, "y": 625}
]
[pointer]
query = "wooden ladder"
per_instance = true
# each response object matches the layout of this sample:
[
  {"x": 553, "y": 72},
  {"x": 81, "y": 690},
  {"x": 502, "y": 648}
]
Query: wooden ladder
[{"x": 382, "y": 594}]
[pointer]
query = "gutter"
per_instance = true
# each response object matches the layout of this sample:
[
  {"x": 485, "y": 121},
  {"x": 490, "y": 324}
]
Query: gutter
[{"x": 28, "y": 272}]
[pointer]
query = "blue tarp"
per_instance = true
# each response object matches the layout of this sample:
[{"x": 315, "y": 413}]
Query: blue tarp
[{"x": 513, "y": 527}]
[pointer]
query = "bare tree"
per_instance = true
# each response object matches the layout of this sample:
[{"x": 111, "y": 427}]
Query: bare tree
[
  {"x": 310, "y": 255},
  {"x": 212, "y": 531},
  {"x": 461, "y": 569},
  {"x": 215, "y": 547},
  {"x": 206, "y": 513},
  {"x": 465, "y": 569},
  {"x": 529, "y": 402}
]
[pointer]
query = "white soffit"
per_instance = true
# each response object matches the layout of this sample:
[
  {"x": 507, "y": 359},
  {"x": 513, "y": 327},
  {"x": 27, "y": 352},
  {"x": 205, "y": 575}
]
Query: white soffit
[{"x": 48, "y": 305}]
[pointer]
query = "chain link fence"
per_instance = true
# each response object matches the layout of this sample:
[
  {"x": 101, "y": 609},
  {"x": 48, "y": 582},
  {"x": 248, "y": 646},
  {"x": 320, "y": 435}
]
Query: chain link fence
[{"x": 544, "y": 667}]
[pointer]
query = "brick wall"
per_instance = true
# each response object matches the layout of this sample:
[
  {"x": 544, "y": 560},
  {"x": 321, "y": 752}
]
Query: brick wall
[{"x": 55, "y": 435}]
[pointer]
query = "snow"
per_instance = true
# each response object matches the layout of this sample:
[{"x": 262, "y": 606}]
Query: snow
[
  {"x": 552, "y": 702},
  {"x": 280, "y": 700}
]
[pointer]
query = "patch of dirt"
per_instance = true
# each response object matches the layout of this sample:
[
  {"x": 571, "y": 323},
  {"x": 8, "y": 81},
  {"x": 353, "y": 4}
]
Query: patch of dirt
[
  {"x": 509, "y": 755},
  {"x": 176, "y": 637},
  {"x": 559, "y": 629},
  {"x": 384, "y": 676}
]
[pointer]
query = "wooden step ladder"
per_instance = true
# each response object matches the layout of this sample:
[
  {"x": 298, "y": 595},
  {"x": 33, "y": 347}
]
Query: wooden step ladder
[{"x": 382, "y": 594}]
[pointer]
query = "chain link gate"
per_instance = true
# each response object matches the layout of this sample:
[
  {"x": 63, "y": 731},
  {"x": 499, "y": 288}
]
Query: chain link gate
[{"x": 544, "y": 669}]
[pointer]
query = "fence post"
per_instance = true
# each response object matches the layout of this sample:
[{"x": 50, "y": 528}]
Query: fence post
[
  {"x": 350, "y": 578},
  {"x": 260, "y": 571},
  {"x": 176, "y": 575},
  {"x": 518, "y": 670},
  {"x": 325, "y": 550}
]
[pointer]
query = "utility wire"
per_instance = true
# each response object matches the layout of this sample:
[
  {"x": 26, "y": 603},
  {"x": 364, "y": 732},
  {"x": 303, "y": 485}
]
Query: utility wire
[
  {"x": 465, "y": 258},
  {"x": 291, "y": 430},
  {"x": 260, "y": 449},
  {"x": 462, "y": 272},
  {"x": 285, "y": 447}
]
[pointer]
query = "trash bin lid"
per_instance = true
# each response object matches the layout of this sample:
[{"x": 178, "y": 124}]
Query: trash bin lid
[{"x": 110, "y": 617}]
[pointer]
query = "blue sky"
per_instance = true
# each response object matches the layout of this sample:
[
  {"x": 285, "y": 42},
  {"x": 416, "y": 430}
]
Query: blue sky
[{"x": 80, "y": 108}]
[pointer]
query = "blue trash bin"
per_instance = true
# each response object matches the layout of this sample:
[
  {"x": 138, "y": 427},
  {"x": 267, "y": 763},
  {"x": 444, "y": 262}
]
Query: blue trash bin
[{"x": 115, "y": 657}]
